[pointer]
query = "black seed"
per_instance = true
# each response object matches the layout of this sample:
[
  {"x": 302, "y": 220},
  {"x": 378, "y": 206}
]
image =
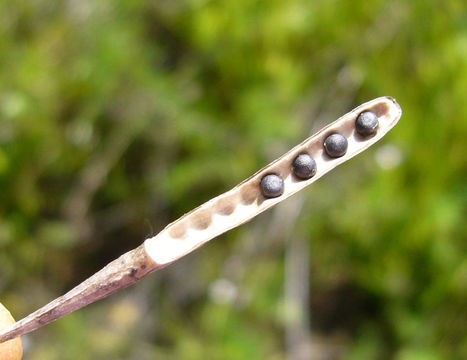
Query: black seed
[
  {"x": 367, "y": 123},
  {"x": 272, "y": 186},
  {"x": 304, "y": 166},
  {"x": 335, "y": 145}
]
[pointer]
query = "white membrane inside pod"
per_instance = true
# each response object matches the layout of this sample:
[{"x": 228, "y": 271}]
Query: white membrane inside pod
[{"x": 245, "y": 201}]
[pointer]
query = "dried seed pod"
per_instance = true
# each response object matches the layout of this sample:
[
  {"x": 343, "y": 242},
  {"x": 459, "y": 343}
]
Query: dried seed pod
[
  {"x": 304, "y": 167},
  {"x": 12, "y": 349},
  {"x": 214, "y": 217},
  {"x": 272, "y": 186},
  {"x": 336, "y": 145},
  {"x": 367, "y": 123}
]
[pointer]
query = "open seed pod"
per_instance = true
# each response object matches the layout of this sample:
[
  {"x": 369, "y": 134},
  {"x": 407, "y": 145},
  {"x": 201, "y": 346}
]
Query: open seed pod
[
  {"x": 12, "y": 349},
  {"x": 247, "y": 199},
  {"x": 319, "y": 154}
]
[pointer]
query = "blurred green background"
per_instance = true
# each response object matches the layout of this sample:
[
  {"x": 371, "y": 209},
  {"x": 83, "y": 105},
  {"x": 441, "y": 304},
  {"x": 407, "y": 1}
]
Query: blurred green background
[{"x": 117, "y": 117}]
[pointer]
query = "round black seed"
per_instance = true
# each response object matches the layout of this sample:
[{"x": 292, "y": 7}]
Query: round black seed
[
  {"x": 335, "y": 145},
  {"x": 304, "y": 166},
  {"x": 272, "y": 186},
  {"x": 367, "y": 123}
]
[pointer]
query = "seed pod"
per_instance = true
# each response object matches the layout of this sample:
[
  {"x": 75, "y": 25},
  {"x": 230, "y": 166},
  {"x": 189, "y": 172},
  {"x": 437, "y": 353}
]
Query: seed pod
[
  {"x": 367, "y": 123},
  {"x": 12, "y": 349},
  {"x": 335, "y": 145},
  {"x": 218, "y": 215},
  {"x": 304, "y": 167},
  {"x": 272, "y": 186}
]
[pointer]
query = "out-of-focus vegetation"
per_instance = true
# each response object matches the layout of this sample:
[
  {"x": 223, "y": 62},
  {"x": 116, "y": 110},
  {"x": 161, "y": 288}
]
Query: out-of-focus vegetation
[{"x": 116, "y": 117}]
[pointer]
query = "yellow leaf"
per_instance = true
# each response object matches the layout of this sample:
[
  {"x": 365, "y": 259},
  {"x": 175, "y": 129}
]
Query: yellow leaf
[{"x": 12, "y": 349}]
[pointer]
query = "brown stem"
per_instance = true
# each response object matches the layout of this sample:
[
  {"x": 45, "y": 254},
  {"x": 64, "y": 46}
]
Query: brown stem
[{"x": 120, "y": 273}]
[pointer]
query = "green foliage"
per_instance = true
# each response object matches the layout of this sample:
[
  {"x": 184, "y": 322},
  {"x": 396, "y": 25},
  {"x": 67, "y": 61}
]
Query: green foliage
[{"x": 116, "y": 117}]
